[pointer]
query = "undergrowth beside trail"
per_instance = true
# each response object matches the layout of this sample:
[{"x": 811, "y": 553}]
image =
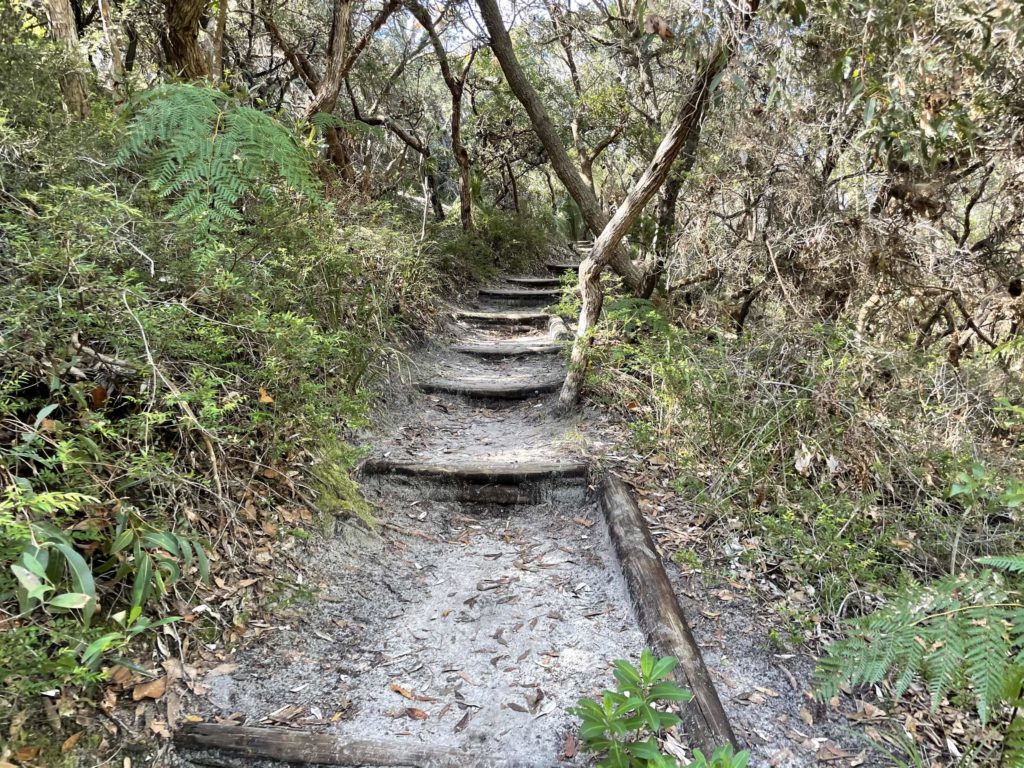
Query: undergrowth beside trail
[
  {"x": 824, "y": 473},
  {"x": 830, "y": 457},
  {"x": 179, "y": 379}
]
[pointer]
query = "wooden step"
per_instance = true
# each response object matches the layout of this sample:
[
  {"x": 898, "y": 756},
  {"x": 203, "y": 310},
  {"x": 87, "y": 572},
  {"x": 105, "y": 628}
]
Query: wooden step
[
  {"x": 509, "y": 348},
  {"x": 291, "y": 746},
  {"x": 493, "y": 389},
  {"x": 521, "y": 294},
  {"x": 503, "y": 317},
  {"x": 536, "y": 282},
  {"x": 479, "y": 470}
]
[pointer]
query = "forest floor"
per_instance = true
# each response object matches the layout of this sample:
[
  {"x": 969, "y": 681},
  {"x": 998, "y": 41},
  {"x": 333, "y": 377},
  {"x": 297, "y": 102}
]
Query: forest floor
[{"x": 488, "y": 599}]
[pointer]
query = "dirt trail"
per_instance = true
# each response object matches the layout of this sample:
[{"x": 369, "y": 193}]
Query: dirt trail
[{"x": 489, "y": 598}]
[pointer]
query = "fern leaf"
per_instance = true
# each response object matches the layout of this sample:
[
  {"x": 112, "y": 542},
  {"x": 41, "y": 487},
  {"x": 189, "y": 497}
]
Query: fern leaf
[{"x": 1008, "y": 563}]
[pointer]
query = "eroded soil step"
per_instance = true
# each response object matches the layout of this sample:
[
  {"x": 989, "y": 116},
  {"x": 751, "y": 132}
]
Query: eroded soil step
[
  {"x": 479, "y": 470},
  {"x": 493, "y": 389},
  {"x": 562, "y": 266},
  {"x": 521, "y": 294},
  {"x": 502, "y": 317},
  {"x": 536, "y": 282},
  {"x": 509, "y": 347}
]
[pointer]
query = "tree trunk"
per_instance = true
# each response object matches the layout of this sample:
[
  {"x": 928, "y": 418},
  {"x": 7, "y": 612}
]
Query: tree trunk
[
  {"x": 667, "y": 213},
  {"x": 339, "y": 63},
  {"x": 133, "y": 46},
  {"x": 185, "y": 56},
  {"x": 687, "y": 120},
  {"x": 74, "y": 85},
  {"x": 435, "y": 195},
  {"x": 571, "y": 178},
  {"x": 515, "y": 186},
  {"x": 456, "y": 87},
  {"x": 326, "y": 97},
  {"x": 113, "y": 46},
  {"x": 218, "y": 42},
  {"x": 462, "y": 159}
]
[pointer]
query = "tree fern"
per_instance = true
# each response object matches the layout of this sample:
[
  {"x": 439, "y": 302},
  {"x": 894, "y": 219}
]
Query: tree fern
[
  {"x": 963, "y": 632},
  {"x": 207, "y": 152}
]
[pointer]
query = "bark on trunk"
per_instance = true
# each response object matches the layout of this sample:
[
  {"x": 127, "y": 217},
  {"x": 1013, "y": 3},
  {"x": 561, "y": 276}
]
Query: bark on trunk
[
  {"x": 661, "y": 617},
  {"x": 305, "y": 748},
  {"x": 514, "y": 184},
  {"x": 185, "y": 56},
  {"x": 667, "y": 213},
  {"x": 74, "y": 85},
  {"x": 218, "y": 42},
  {"x": 456, "y": 87},
  {"x": 133, "y": 46},
  {"x": 339, "y": 63},
  {"x": 462, "y": 159},
  {"x": 574, "y": 182},
  {"x": 687, "y": 120},
  {"x": 113, "y": 46},
  {"x": 330, "y": 85}
]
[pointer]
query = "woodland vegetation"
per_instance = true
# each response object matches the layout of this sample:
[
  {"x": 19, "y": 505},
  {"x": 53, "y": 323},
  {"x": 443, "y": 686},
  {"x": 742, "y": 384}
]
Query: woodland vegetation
[{"x": 221, "y": 219}]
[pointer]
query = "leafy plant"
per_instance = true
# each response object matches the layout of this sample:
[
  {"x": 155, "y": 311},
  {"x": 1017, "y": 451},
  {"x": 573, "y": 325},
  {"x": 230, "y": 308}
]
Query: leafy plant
[
  {"x": 624, "y": 724},
  {"x": 210, "y": 151},
  {"x": 960, "y": 633}
]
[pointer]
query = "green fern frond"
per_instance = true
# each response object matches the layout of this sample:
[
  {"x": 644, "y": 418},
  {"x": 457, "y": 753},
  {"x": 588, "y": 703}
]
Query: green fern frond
[
  {"x": 957, "y": 632},
  {"x": 207, "y": 153},
  {"x": 1008, "y": 563}
]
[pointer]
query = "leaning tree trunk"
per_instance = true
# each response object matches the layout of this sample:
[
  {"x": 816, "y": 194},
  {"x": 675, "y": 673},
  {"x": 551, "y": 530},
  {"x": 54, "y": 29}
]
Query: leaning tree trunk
[
  {"x": 74, "y": 85},
  {"x": 687, "y": 120},
  {"x": 574, "y": 182},
  {"x": 185, "y": 57},
  {"x": 667, "y": 213}
]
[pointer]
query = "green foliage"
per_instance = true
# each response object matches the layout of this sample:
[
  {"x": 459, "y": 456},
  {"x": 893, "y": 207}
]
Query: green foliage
[
  {"x": 624, "y": 724},
  {"x": 958, "y": 633},
  {"x": 501, "y": 242},
  {"x": 171, "y": 354},
  {"x": 839, "y": 477},
  {"x": 208, "y": 152}
]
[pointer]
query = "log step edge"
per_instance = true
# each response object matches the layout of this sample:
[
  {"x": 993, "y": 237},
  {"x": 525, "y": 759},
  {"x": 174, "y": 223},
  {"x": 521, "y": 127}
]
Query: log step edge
[
  {"x": 661, "y": 617},
  {"x": 293, "y": 747}
]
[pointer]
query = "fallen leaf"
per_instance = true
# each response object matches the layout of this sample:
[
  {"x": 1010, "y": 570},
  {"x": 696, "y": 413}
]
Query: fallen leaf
[
  {"x": 265, "y": 398},
  {"x": 153, "y": 689},
  {"x": 24, "y": 754},
  {"x": 570, "y": 747},
  {"x": 70, "y": 741},
  {"x": 461, "y": 725},
  {"x": 829, "y": 752},
  {"x": 416, "y": 714},
  {"x": 400, "y": 690},
  {"x": 222, "y": 669},
  {"x": 159, "y": 727},
  {"x": 119, "y": 674},
  {"x": 98, "y": 396}
]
